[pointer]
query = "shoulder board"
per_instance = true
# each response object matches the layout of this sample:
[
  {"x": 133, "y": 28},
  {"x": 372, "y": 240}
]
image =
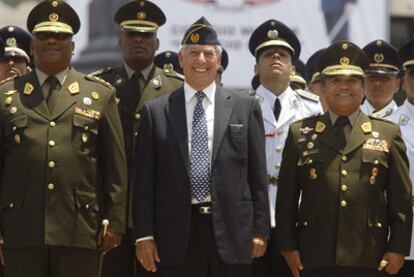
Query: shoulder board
[
  {"x": 8, "y": 79},
  {"x": 173, "y": 74},
  {"x": 98, "y": 80},
  {"x": 381, "y": 119},
  {"x": 307, "y": 95},
  {"x": 309, "y": 118},
  {"x": 101, "y": 71}
]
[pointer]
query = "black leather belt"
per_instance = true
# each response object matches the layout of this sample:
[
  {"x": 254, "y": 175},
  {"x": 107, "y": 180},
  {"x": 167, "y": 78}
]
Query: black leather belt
[
  {"x": 273, "y": 181},
  {"x": 203, "y": 208}
]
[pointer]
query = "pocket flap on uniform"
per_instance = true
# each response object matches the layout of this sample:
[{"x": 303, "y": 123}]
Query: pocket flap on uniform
[
  {"x": 16, "y": 123},
  {"x": 375, "y": 158},
  {"x": 86, "y": 200},
  {"x": 85, "y": 123},
  {"x": 11, "y": 201}
]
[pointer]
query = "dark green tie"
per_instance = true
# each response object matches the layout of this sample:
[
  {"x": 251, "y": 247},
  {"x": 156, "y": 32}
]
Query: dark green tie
[
  {"x": 52, "y": 93},
  {"x": 340, "y": 124}
]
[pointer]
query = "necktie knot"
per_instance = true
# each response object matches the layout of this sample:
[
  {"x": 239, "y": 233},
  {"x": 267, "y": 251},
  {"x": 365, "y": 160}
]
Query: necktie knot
[
  {"x": 342, "y": 121},
  {"x": 52, "y": 81},
  {"x": 200, "y": 96}
]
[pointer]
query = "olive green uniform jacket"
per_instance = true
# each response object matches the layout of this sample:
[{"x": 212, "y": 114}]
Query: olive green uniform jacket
[
  {"x": 355, "y": 203},
  {"x": 62, "y": 172},
  {"x": 159, "y": 82}
]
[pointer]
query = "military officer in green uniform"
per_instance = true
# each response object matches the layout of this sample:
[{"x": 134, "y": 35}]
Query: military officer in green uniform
[
  {"x": 62, "y": 164},
  {"x": 136, "y": 81},
  {"x": 350, "y": 172}
]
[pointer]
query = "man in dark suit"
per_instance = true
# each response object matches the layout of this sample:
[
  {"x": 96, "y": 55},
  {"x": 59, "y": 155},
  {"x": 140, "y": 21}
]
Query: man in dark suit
[
  {"x": 62, "y": 161},
  {"x": 200, "y": 203},
  {"x": 350, "y": 171},
  {"x": 136, "y": 81}
]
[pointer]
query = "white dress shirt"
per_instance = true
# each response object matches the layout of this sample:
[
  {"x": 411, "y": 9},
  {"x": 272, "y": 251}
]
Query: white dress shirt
[{"x": 385, "y": 112}]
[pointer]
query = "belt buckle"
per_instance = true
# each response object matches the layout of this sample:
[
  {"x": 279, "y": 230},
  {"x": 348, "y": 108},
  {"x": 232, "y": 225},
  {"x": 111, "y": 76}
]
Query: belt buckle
[
  {"x": 272, "y": 180},
  {"x": 205, "y": 210}
]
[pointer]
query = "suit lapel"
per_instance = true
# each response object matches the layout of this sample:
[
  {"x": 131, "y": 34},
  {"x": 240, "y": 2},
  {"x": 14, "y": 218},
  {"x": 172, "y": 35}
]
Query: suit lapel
[
  {"x": 327, "y": 136},
  {"x": 358, "y": 136},
  {"x": 222, "y": 112},
  {"x": 66, "y": 94},
  {"x": 175, "y": 111},
  {"x": 32, "y": 98}
]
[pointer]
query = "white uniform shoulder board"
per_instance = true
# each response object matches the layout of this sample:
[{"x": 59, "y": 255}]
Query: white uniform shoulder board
[{"x": 307, "y": 95}]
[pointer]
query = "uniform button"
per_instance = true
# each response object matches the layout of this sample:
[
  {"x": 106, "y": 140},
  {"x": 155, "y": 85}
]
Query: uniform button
[
  {"x": 52, "y": 124},
  {"x": 11, "y": 205},
  {"x": 277, "y": 166},
  {"x": 52, "y": 164},
  {"x": 135, "y": 134},
  {"x": 14, "y": 128},
  {"x": 344, "y": 187},
  {"x": 87, "y": 206},
  {"x": 379, "y": 225},
  {"x": 310, "y": 161},
  {"x": 344, "y": 158},
  {"x": 50, "y": 186},
  {"x": 52, "y": 143},
  {"x": 343, "y": 203},
  {"x": 279, "y": 148},
  {"x": 137, "y": 116},
  {"x": 86, "y": 128},
  {"x": 376, "y": 162},
  {"x": 305, "y": 223},
  {"x": 344, "y": 172}
]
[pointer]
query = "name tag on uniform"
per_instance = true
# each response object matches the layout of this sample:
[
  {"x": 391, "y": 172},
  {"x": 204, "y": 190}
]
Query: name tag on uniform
[
  {"x": 380, "y": 145},
  {"x": 88, "y": 113}
]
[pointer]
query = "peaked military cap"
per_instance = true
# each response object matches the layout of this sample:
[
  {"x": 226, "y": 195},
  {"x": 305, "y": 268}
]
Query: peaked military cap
[
  {"x": 407, "y": 54},
  {"x": 140, "y": 16},
  {"x": 17, "y": 42},
  {"x": 201, "y": 32},
  {"x": 53, "y": 16},
  {"x": 299, "y": 76},
  {"x": 343, "y": 58},
  {"x": 224, "y": 60},
  {"x": 274, "y": 33},
  {"x": 1, "y": 48},
  {"x": 383, "y": 57},
  {"x": 168, "y": 60},
  {"x": 312, "y": 72}
]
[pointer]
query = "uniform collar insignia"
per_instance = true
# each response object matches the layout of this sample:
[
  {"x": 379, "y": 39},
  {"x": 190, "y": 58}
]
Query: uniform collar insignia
[
  {"x": 10, "y": 92},
  {"x": 320, "y": 127},
  {"x": 28, "y": 89},
  {"x": 403, "y": 120},
  {"x": 366, "y": 127},
  {"x": 306, "y": 130},
  {"x": 74, "y": 88}
]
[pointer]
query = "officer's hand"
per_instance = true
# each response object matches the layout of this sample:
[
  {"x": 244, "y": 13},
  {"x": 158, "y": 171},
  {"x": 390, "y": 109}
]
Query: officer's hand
[
  {"x": 1, "y": 249},
  {"x": 147, "y": 254},
  {"x": 259, "y": 247},
  {"x": 293, "y": 260},
  {"x": 110, "y": 241},
  {"x": 391, "y": 262}
]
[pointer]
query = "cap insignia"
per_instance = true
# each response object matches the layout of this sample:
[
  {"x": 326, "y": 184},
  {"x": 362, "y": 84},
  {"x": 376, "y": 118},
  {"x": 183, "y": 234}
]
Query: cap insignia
[
  {"x": 272, "y": 34},
  {"x": 53, "y": 17},
  {"x": 141, "y": 15},
  {"x": 344, "y": 61},
  {"x": 379, "y": 57},
  {"x": 195, "y": 37},
  {"x": 345, "y": 46},
  {"x": 55, "y": 4},
  {"x": 11, "y": 42}
]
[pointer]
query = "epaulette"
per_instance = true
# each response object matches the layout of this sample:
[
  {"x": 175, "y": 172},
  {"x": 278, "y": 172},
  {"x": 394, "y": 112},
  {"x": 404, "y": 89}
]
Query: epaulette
[
  {"x": 101, "y": 71},
  {"x": 309, "y": 118},
  {"x": 98, "y": 80},
  {"x": 8, "y": 79},
  {"x": 381, "y": 119},
  {"x": 173, "y": 74},
  {"x": 307, "y": 95}
]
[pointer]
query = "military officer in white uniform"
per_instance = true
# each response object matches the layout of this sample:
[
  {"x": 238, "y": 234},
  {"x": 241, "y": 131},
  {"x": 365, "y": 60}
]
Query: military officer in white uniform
[
  {"x": 404, "y": 116},
  {"x": 276, "y": 47},
  {"x": 381, "y": 79}
]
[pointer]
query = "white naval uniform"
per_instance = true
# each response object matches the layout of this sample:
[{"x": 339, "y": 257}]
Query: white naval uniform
[
  {"x": 385, "y": 112},
  {"x": 295, "y": 105},
  {"x": 404, "y": 116}
]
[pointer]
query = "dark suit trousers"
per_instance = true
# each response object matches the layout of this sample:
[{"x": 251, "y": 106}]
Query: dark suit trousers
[
  {"x": 121, "y": 260},
  {"x": 407, "y": 270},
  {"x": 202, "y": 258},
  {"x": 339, "y": 271},
  {"x": 51, "y": 261},
  {"x": 272, "y": 264}
]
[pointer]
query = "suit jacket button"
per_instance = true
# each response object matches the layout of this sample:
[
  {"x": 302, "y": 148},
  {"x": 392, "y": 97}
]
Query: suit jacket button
[
  {"x": 52, "y": 143},
  {"x": 344, "y": 172},
  {"x": 52, "y": 124},
  {"x": 344, "y": 187},
  {"x": 51, "y": 164},
  {"x": 344, "y": 158},
  {"x": 343, "y": 204}
]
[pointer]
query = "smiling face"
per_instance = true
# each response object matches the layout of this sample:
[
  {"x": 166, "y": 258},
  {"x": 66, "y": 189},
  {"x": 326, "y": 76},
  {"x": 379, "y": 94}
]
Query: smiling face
[
  {"x": 343, "y": 94},
  {"x": 138, "y": 48},
  {"x": 200, "y": 64},
  {"x": 380, "y": 89},
  {"x": 52, "y": 52}
]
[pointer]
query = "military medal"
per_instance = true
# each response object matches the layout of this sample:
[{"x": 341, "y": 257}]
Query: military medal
[
  {"x": 84, "y": 137},
  {"x": 13, "y": 110},
  {"x": 8, "y": 100},
  {"x": 17, "y": 138},
  {"x": 312, "y": 174},
  {"x": 375, "y": 134},
  {"x": 306, "y": 130},
  {"x": 87, "y": 101},
  {"x": 372, "y": 180},
  {"x": 314, "y": 137},
  {"x": 95, "y": 95},
  {"x": 28, "y": 89},
  {"x": 310, "y": 145}
]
